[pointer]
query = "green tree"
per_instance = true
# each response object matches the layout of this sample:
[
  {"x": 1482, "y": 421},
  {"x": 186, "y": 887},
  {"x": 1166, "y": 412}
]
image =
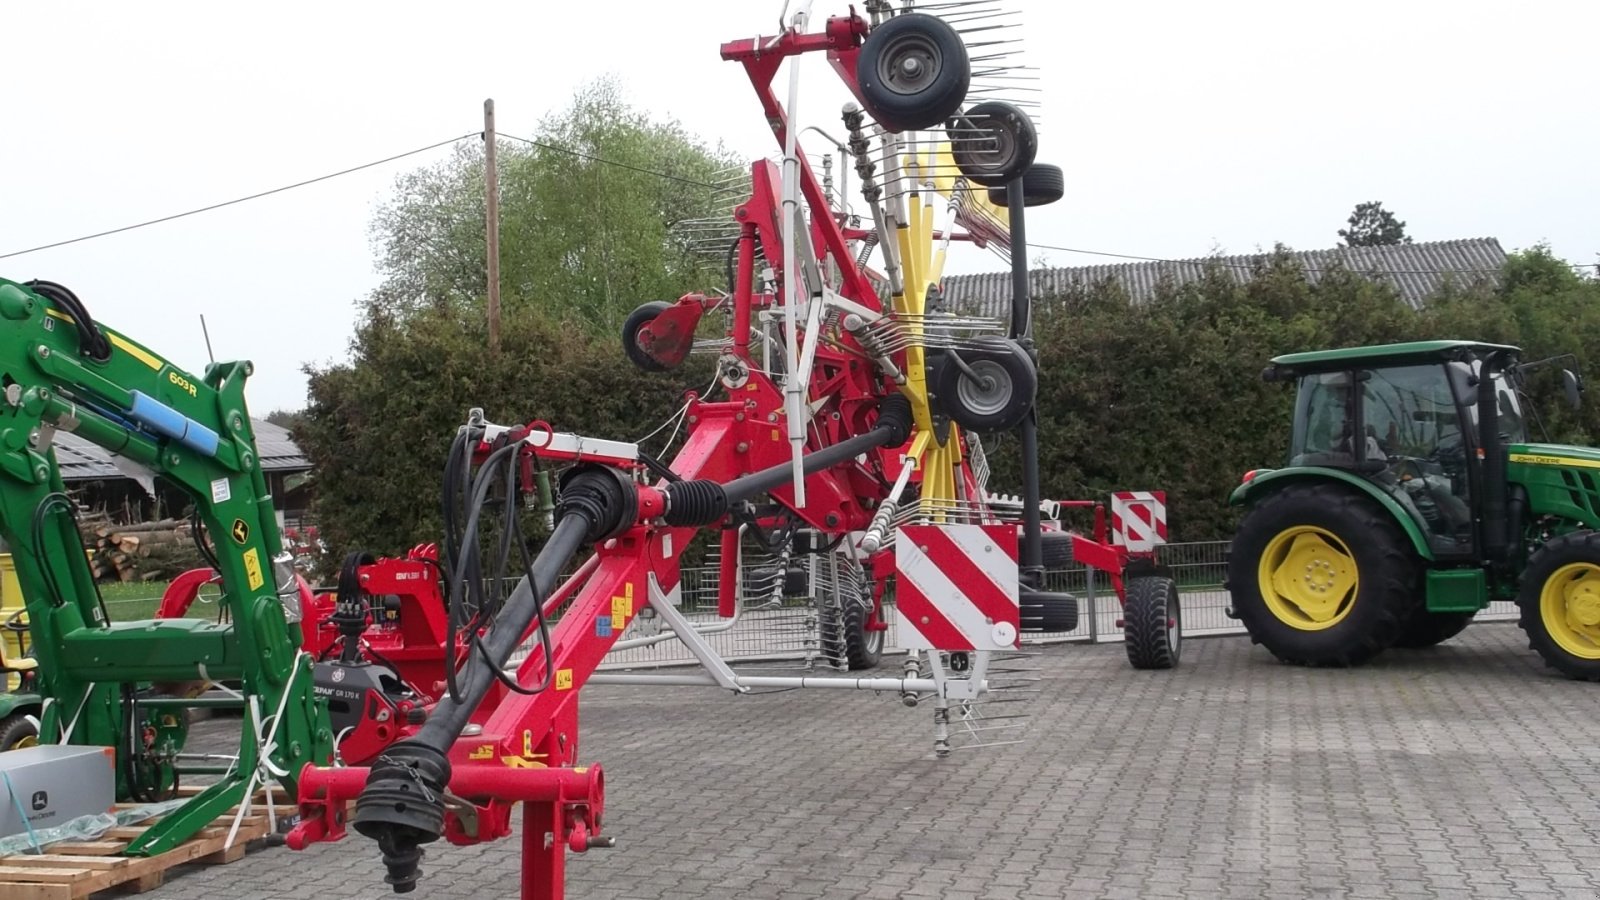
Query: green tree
[
  {"x": 583, "y": 242},
  {"x": 587, "y": 216},
  {"x": 1373, "y": 226}
]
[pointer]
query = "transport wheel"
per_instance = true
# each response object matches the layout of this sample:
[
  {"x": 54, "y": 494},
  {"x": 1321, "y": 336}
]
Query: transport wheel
[
  {"x": 993, "y": 392},
  {"x": 1322, "y": 576},
  {"x": 992, "y": 143},
  {"x": 913, "y": 72},
  {"x": 1152, "y": 623},
  {"x": 1042, "y": 185},
  {"x": 1560, "y": 604}
]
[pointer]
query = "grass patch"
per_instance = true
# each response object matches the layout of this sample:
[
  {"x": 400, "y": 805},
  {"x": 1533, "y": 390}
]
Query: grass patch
[{"x": 128, "y": 601}]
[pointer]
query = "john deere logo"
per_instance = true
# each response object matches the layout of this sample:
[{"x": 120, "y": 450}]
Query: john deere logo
[
  {"x": 241, "y": 531},
  {"x": 40, "y": 800}
]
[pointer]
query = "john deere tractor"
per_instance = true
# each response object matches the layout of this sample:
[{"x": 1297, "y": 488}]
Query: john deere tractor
[{"x": 1412, "y": 498}]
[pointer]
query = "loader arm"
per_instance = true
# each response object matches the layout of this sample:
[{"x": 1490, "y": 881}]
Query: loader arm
[{"x": 61, "y": 371}]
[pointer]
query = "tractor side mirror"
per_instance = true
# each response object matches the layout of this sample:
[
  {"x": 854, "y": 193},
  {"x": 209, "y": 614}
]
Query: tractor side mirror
[{"x": 1573, "y": 385}]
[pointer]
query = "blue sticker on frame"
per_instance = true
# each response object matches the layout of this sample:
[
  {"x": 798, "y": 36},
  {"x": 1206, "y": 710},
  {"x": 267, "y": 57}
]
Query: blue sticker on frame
[{"x": 602, "y": 626}]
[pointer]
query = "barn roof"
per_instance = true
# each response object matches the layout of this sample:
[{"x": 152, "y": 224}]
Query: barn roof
[
  {"x": 81, "y": 460},
  {"x": 1415, "y": 271}
]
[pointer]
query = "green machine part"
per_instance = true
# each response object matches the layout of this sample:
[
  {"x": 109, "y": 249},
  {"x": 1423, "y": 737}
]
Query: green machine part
[{"x": 61, "y": 371}]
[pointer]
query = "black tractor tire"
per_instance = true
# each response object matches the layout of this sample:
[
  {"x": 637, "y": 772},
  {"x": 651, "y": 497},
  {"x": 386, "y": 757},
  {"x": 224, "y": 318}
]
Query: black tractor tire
[
  {"x": 999, "y": 405},
  {"x": 1056, "y": 550},
  {"x": 631, "y": 327},
  {"x": 1571, "y": 560},
  {"x": 1044, "y": 612},
  {"x": 1042, "y": 185},
  {"x": 1152, "y": 622},
  {"x": 1368, "y": 618},
  {"x": 1426, "y": 629},
  {"x": 14, "y": 730},
  {"x": 911, "y": 103},
  {"x": 993, "y": 143}
]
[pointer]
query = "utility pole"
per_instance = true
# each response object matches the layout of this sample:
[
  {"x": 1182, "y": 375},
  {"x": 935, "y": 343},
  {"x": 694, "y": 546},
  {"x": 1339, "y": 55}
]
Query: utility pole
[{"x": 491, "y": 196}]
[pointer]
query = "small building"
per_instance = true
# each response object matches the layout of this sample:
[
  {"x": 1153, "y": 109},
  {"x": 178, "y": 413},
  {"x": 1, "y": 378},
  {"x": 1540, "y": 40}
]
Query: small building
[
  {"x": 1415, "y": 271},
  {"x": 93, "y": 473}
]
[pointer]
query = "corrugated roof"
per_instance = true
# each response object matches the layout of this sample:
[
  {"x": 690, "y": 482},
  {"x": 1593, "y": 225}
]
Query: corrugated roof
[
  {"x": 1415, "y": 271},
  {"x": 81, "y": 460}
]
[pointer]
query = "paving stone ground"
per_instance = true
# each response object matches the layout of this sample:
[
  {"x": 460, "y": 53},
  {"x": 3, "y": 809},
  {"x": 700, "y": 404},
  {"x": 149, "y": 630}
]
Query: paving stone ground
[{"x": 1465, "y": 771}]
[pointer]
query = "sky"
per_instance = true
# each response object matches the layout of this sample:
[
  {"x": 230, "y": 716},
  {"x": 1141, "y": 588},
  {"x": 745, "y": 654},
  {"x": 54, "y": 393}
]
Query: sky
[{"x": 1183, "y": 129}]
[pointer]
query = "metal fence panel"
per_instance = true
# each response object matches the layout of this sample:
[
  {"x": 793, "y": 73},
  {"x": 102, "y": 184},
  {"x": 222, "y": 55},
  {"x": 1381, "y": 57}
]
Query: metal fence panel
[{"x": 789, "y": 631}]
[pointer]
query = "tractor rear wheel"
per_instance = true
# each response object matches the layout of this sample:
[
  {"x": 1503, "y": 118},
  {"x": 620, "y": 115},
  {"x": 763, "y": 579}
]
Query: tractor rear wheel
[
  {"x": 1322, "y": 576},
  {"x": 1560, "y": 604},
  {"x": 1425, "y": 629},
  {"x": 1152, "y": 623}
]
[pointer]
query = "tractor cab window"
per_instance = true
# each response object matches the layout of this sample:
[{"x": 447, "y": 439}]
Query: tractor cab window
[
  {"x": 1405, "y": 435},
  {"x": 1324, "y": 419},
  {"x": 1513, "y": 428},
  {"x": 1412, "y": 414}
]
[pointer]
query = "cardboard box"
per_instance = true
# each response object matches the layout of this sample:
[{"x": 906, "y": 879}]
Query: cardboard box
[{"x": 52, "y": 784}]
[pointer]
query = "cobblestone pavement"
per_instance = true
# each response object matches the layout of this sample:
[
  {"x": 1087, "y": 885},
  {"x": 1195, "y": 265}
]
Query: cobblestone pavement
[{"x": 1463, "y": 771}]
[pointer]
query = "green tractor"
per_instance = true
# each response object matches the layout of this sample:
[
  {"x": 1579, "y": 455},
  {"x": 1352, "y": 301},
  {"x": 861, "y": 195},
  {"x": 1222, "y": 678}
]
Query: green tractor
[{"x": 1412, "y": 498}]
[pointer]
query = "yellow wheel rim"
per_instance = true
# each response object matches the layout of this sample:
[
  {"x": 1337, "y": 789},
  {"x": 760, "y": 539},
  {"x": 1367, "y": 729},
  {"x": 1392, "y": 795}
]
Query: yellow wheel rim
[
  {"x": 31, "y": 740},
  {"x": 1308, "y": 578},
  {"x": 1569, "y": 605}
]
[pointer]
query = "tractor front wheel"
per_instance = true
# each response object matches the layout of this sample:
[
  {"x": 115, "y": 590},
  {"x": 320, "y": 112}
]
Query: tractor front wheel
[
  {"x": 1322, "y": 576},
  {"x": 1560, "y": 604}
]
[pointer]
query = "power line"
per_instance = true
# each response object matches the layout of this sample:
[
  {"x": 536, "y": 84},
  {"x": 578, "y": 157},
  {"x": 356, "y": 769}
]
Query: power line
[
  {"x": 608, "y": 162},
  {"x": 256, "y": 196},
  {"x": 1249, "y": 266}
]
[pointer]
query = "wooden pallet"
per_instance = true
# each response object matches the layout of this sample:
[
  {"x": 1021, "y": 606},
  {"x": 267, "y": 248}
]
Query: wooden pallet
[{"x": 75, "y": 870}]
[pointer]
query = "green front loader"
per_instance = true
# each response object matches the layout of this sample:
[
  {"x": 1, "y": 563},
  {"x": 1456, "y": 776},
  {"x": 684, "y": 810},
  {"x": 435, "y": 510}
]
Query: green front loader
[{"x": 1413, "y": 498}]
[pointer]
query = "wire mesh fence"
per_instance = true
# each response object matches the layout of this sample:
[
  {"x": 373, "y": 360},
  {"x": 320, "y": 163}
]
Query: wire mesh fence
[{"x": 788, "y": 630}]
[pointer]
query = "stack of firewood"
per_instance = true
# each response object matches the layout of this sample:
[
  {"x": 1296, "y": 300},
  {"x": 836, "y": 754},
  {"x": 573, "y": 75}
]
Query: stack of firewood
[{"x": 144, "y": 551}]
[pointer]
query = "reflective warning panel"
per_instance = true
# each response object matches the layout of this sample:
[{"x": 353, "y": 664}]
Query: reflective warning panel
[{"x": 956, "y": 587}]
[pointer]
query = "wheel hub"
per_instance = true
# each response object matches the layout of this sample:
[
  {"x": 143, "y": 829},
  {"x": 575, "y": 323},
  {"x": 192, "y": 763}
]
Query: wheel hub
[
  {"x": 910, "y": 65},
  {"x": 1583, "y": 603},
  {"x": 1308, "y": 578}
]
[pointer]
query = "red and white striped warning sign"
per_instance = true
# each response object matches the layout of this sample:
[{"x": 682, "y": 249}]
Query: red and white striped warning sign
[
  {"x": 1139, "y": 519},
  {"x": 956, "y": 587}
]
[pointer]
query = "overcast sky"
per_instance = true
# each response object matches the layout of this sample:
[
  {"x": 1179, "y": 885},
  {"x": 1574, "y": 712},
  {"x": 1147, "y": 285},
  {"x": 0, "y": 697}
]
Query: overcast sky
[{"x": 1184, "y": 128}]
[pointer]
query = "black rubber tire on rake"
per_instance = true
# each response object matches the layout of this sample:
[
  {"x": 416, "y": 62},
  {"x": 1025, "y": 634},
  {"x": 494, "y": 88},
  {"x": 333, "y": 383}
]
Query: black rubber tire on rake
[
  {"x": 895, "y": 99},
  {"x": 992, "y": 143},
  {"x": 1042, "y": 185},
  {"x": 631, "y": 327},
  {"x": 1044, "y": 612},
  {"x": 1152, "y": 623}
]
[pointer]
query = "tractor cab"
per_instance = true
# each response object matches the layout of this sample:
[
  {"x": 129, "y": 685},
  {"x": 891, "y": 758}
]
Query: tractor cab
[{"x": 1405, "y": 417}]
